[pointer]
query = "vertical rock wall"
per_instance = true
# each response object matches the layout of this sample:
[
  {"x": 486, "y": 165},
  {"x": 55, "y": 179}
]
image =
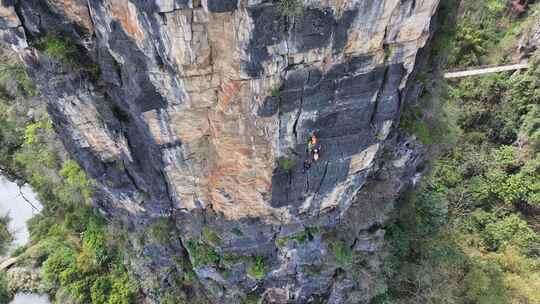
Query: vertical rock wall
[{"x": 196, "y": 103}]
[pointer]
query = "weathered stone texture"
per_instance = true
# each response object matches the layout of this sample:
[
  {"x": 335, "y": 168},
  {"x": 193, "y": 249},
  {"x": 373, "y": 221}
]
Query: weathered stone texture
[{"x": 197, "y": 102}]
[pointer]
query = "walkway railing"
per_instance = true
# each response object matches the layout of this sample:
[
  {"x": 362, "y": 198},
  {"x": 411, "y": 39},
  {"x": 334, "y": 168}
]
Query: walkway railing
[{"x": 485, "y": 70}]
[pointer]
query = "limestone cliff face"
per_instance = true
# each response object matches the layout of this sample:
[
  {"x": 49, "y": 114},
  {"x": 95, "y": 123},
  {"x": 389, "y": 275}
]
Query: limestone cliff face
[{"x": 195, "y": 105}]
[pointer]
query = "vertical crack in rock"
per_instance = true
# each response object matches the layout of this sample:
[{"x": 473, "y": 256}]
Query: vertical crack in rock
[
  {"x": 322, "y": 178},
  {"x": 307, "y": 182},
  {"x": 378, "y": 96},
  {"x": 299, "y": 112}
]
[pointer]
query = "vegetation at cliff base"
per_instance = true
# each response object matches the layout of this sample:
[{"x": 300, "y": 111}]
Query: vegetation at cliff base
[
  {"x": 73, "y": 245},
  {"x": 470, "y": 232},
  {"x": 16, "y": 72},
  {"x": 5, "y": 240},
  {"x": 5, "y": 235}
]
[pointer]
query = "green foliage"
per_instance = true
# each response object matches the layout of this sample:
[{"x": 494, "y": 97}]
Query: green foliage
[
  {"x": 287, "y": 163},
  {"x": 506, "y": 158},
  {"x": 530, "y": 128},
  {"x": 251, "y": 298},
  {"x": 237, "y": 231},
  {"x": 5, "y": 235},
  {"x": 509, "y": 231},
  {"x": 37, "y": 160},
  {"x": 496, "y": 7},
  {"x": 168, "y": 299},
  {"x": 161, "y": 230},
  {"x": 34, "y": 131},
  {"x": 342, "y": 253},
  {"x": 466, "y": 234},
  {"x": 188, "y": 274},
  {"x": 275, "y": 92},
  {"x": 99, "y": 290},
  {"x": 290, "y": 8},
  {"x": 57, "y": 263},
  {"x": 89, "y": 274},
  {"x": 95, "y": 244},
  {"x": 75, "y": 182},
  {"x": 18, "y": 251},
  {"x": 121, "y": 114},
  {"x": 58, "y": 48},
  {"x": 68, "y": 239},
  {"x": 484, "y": 284},
  {"x": 257, "y": 268},
  {"x": 470, "y": 45},
  {"x": 484, "y": 33},
  {"x": 412, "y": 124},
  {"x": 123, "y": 290},
  {"x": 11, "y": 134},
  {"x": 5, "y": 296},
  {"x": 64, "y": 50},
  {"x": 342, "y": 256},
  {"x": 428, "y": 121},
  {"x": 201, "y": 253},
  {"x": 211, "y": 237},
  {"x": 72, "y": 240},
  {"x": 18, "y": 73},
  {"x": 305, "y": 235}
]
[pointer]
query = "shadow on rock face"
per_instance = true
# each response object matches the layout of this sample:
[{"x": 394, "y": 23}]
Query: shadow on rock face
[
  {"x": 221, "y": 6},
  {"x": 313, "y": 29},
  {"x": 343, "y": 107}
]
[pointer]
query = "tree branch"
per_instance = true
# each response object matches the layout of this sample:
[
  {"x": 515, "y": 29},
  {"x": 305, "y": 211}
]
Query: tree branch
[{"x": 21, "y": 194}]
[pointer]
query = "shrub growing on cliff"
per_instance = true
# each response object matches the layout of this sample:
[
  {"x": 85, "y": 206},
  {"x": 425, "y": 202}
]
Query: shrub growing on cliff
[
  {"x": 345, "y": 257},
  {"x": 161, "y": 230},
  {"x": 58, "y": 48},
  {"x": 77, "y": 187},
  {"x": 18, "y": 73},
  {"x": 66, "y": 51},
  {"x": 211, "y": 237},
  {"x": 290, "y": 8},
  {"x": 201, "y": 254},
  {"x": 287, "y": 163},
  {"x": 257, "y": 267}
]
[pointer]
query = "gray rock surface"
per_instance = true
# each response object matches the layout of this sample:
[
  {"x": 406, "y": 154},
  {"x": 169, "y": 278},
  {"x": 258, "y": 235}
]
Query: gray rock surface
[{"x": 196, "y": 103}]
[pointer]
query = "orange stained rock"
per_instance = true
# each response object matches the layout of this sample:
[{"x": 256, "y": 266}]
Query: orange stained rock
[
  {"x": 226, "y": 92},
  {"x": 238, "y": 195},
  {"x": 77, "y": 10},
  {"x": 7, "y": 13},
  {"x": 238, "y": 171},
  {"x": 126, "y": 14}
]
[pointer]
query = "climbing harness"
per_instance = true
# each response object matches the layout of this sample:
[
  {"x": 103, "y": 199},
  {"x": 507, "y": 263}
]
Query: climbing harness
[{"x": 313, "y": 149}]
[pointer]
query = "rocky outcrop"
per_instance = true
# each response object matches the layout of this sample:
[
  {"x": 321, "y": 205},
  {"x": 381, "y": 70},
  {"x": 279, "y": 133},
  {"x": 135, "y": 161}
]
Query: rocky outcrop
[
  {"x": 529, "y": 40},
  {"x": 196, "y": 105}
]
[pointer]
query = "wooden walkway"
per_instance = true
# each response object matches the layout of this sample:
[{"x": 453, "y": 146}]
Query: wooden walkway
[
  {"x": 486, "y": 70},
  {"x": 8, "y": 262}
]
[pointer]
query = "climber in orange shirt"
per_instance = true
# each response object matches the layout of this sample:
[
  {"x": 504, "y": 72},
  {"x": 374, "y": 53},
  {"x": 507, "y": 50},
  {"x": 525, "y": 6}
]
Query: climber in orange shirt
[{"x": 314, "y": 147}]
